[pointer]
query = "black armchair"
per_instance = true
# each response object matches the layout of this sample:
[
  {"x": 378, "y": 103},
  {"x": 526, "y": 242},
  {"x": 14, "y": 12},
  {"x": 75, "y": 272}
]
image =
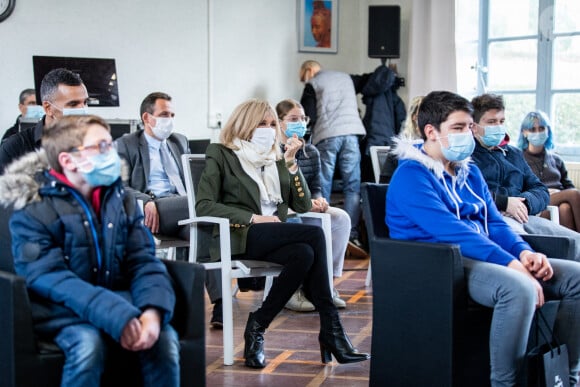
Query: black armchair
[
  {"x": 426, "y": 331},
  {"x": 25, "y": 361}
]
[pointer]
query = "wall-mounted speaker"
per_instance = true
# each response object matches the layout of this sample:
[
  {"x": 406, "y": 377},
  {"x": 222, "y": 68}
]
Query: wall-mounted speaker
[{"x": 384, "y": 31}]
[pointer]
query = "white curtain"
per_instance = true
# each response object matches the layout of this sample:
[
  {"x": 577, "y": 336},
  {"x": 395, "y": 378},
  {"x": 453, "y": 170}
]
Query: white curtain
[{"x": 432, "y": 63}]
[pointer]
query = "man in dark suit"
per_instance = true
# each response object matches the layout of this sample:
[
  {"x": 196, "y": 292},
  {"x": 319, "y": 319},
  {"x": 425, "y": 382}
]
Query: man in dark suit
[{"x": 155, "y": 176}]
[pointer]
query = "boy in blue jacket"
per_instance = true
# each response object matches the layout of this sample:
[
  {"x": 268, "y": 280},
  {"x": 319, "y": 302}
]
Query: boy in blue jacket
[
  {"x": 436, "y": 195},
  {"x": 88, "y": 260}
]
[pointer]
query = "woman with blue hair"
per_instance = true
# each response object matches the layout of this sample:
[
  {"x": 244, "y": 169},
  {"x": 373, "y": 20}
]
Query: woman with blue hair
[{"x": 536, "y": 140}]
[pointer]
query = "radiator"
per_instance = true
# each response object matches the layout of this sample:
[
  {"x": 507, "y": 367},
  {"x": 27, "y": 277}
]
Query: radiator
[{"x": 574, "y": 172}]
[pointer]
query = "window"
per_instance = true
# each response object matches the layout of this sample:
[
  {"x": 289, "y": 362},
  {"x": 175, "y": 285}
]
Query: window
[{"x": 528, "y": 51}]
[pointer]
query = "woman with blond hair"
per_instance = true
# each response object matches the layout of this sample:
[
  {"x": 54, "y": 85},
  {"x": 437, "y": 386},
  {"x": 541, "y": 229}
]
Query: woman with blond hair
[{"x": 250, "y": 181}]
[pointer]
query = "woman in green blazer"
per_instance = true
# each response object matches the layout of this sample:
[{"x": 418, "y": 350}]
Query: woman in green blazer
[{"x": 248, "y": 180}]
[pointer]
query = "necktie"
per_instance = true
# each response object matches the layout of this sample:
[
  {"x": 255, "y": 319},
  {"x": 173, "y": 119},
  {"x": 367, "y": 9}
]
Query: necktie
[{"x": 171, "y": 169}]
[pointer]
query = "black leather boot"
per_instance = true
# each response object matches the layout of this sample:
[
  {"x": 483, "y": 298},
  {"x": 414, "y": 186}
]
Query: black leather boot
[
  {"x": 333, "y": 339},
  {"x": 254, "y": 347}
]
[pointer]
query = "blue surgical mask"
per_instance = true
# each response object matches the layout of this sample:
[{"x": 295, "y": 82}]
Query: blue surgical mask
[
  {"x": 461, "y": 146},
  {"x": 297, "y": 128},
  {"x": 34, "y": 111},
  {"x": 102, "y": 169},
  {"x": 83, "y": 111},
  {"x": 494, "y": 135},
  {"x": 538, "y": 139}
]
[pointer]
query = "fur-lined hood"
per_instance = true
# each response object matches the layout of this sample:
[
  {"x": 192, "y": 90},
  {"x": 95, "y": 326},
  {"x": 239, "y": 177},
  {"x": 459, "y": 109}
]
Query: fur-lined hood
[
  {"x": 407, "y": 149},
  {"x": 20, "y": 183}
]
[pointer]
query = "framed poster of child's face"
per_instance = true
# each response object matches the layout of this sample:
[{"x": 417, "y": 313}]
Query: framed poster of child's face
[{"x": 318, "y": 25}]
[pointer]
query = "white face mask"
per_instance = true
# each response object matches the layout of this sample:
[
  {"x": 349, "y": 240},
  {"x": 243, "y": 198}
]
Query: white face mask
[
  {"x": 264, "y": 138},
  {"x": 82, "y": 111},
  {"x": 163, "y": 127}
]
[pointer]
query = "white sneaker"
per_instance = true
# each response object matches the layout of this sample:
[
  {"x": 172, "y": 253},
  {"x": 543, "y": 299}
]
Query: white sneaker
[
  {"x": 299, "y": 303},
  {"x": 338, "y": 302}
]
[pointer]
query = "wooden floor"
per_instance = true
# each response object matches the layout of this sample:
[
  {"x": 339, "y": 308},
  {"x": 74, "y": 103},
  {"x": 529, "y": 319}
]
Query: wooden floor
[{"x": 292, "y": 351}]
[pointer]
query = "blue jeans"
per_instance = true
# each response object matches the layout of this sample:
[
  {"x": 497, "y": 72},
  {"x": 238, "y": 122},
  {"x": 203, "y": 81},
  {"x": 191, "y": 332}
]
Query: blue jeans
[
  {"x": 342, "y": 152},
  {"x": 512, "y": 296},
  {"x": 85, "y": 350}
]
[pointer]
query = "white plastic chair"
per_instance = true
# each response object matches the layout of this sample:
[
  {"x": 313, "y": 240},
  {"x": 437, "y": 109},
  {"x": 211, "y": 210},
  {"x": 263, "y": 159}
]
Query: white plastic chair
[{"x": 193, "y": 165}]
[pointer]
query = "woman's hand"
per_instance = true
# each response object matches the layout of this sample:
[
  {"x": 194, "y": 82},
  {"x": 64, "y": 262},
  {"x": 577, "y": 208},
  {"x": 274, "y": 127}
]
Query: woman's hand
[
  {"x": 319, "y": 205},
  {"x": 291, "y": 147}
]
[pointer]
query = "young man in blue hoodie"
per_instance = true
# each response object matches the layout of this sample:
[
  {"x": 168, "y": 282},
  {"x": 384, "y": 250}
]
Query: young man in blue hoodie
[{"x": 436, "y": 195}]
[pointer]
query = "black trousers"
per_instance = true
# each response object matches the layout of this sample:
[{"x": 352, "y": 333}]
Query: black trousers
[{"x": 301, "y": 249}]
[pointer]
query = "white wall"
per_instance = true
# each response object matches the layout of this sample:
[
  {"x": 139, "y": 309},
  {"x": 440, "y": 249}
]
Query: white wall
[{"x": 251, "y": 46}]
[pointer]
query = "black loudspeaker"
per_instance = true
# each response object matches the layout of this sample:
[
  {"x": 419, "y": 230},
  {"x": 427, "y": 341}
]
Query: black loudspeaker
[{"x": 384, "y": 31}]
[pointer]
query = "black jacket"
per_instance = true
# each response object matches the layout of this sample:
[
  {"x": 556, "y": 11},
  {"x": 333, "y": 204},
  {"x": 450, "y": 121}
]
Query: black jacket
[
  {"x": 385, "y": 111},
  {"x": 21, "y": 143},
  {"x": 12, "y": 130}
]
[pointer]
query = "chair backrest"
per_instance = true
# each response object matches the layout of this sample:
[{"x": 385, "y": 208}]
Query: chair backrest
[
  {"x": 198, "y": 146},
  {"x": 6, "y": 259},
  {"x": 378, "y": 157},
  {"x": 193, "y": 165},
  {"x": 374, "y": 198}
]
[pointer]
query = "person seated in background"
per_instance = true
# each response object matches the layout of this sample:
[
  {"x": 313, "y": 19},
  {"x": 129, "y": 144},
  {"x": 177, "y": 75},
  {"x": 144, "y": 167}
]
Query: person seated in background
[
  {"x": 91, "y": 287},
  {"x": 155, "y": 176},
  {"x": 535, "y": 140},
  {"x": 410, "y": 131},
  {"x": 293, "y": 123},
  {"x": 62, "y": 93},
  {"x": 248, "y": 180},
  {"x": 28, "y": 109},
  {"x": 518, "y": 194},
  {"x": 436, "y": 195}
]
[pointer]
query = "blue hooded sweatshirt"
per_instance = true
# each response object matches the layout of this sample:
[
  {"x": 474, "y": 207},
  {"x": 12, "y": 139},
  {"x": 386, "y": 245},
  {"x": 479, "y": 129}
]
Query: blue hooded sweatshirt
[{"x": 425, "y": 203}]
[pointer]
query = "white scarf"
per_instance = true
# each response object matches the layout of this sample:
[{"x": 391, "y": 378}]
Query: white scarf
[{"x": 253, "y": 160}]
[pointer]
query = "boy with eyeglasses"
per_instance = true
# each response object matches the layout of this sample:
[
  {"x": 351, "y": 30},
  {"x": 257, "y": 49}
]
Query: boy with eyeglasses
[{"x": 89, "y": 262}]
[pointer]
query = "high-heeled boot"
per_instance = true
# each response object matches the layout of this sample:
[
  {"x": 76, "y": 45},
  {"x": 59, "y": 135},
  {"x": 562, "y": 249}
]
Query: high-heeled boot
[
  {"x": 254, "y": 344},
  {"x": 333, "y": 339}
]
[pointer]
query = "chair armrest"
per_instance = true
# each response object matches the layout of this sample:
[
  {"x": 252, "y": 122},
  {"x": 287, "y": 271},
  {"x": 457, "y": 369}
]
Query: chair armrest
[
  {"x": 188, "y": 283},
  {"x": 326, "y": 227},
  {"x": 417, "y": 291},
  {"x": 224, "y": 229},
  {"x": 554, "y": 214},
  {"x": 433, "y": 267},
  {"x": 17, "y": 339},
  {"x": 553, "y": 246}
]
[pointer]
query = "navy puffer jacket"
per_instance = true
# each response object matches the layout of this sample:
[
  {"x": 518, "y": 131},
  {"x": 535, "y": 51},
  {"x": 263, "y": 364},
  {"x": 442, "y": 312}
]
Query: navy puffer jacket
[
  {"x": 79, "y": 266},
  {"x": 507, "y": 174}
]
